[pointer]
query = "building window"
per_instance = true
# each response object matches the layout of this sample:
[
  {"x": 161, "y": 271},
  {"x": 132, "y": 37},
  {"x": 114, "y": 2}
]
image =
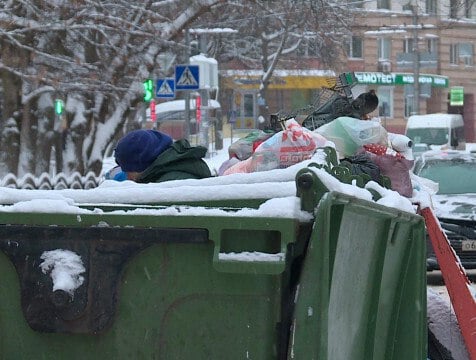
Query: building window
[
  {"x": 385, "y": 105},
  {"x": 408, "y": 46},
  {"x": 466, "y": 53},
  {"x": 431, "y": 45},
  {"x": 354, "y": 47},
  {"x": 248, "y": 102},
  {"x": 384, "y": 48},
  {"x": 408, "y": 92},
  {"x": 408, "y": 106},
  {"x": 454, "y": 54},
  {"x": 383, "y": 4},
  {"x": 431, "y": 7}
]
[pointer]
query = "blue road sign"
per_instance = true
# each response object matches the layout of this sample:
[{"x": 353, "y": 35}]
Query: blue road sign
[
  {"x": 232, "y": 114},
  {"x": 165, "y": 88},
  {"x": 187, "y": 77}
]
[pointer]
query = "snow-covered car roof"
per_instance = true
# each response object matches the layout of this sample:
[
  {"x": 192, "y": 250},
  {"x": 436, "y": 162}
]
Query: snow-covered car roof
[{"x": 443, "y": 155}]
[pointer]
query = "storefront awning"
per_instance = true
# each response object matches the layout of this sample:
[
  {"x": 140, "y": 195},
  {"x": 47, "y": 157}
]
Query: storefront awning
[{"x": 281, "y": 79}]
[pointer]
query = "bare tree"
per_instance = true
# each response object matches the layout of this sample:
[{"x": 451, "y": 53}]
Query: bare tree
[
  {"x": 94, "y": 55},
  {"x": 271, "y": 34}
]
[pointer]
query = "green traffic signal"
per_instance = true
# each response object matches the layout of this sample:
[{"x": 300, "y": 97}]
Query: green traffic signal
[
  {"x": 148, "y": 90},
  {"x": 59, "y": 106}
]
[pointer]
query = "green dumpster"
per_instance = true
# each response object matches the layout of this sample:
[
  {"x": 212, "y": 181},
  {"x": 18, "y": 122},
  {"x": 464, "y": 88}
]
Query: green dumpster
[{"x": 342, "y": 278}]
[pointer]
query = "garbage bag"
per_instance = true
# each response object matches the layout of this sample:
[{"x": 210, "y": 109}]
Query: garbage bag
[
  {"x": 349, "y": 134},
  {"x": 285, "y": 148}
]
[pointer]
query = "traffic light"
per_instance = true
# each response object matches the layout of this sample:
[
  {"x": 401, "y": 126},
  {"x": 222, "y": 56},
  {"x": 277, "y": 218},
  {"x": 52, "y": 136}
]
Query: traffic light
[
  {"x": 148, "y": 90},
  {"x": 59, "y": 106}
]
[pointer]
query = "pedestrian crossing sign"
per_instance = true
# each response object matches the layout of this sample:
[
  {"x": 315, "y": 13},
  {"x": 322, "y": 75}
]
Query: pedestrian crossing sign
[
  {"x": 186, "y": 77},
  {"x": 165, "y": 88}
]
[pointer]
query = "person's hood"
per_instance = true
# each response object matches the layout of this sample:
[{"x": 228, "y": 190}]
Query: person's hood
[{"x": 455, "y": 206}]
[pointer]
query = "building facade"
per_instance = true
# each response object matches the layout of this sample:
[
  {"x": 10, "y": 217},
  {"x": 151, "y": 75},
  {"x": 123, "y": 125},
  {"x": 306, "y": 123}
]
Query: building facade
[
  {"x": 390, "y": 44},
  {"x": 394, "y": 43}
]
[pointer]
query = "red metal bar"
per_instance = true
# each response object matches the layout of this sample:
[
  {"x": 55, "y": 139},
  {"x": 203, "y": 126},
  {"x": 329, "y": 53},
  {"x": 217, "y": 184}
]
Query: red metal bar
[{"x": 455, "y": 279}]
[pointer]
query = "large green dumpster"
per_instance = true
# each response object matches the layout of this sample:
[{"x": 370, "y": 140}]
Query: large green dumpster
[{"x": 339, "y": 278}]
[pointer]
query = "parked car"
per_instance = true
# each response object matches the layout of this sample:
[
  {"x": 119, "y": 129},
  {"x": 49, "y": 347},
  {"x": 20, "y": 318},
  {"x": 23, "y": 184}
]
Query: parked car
[
  {"x": 446, "y": 131},
  {"x": 455, "y": 201},
  {"x": 419, "y": 148}
]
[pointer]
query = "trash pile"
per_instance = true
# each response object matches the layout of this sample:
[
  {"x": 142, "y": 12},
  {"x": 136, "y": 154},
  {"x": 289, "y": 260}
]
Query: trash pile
[{"x": 362, "y": 145}]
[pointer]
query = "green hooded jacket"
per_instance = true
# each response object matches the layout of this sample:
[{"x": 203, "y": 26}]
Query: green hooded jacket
[{"x": 179, "y": 161}]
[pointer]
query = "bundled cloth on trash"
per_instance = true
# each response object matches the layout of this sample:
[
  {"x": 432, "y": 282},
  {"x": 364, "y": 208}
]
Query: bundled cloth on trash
[
  {"x": 285, "y": 148},
  {"x": 393, "y": 165},
  {"x": 349, "y": 134}
]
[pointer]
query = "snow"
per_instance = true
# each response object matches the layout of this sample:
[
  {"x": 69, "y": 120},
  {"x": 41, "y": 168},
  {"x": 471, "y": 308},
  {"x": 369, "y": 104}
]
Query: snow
[
  {"x": 437, "y": 120},
  {"x": 443, "y": 323},
  {"x": 179, "y": 105},
  {"x": 277, "y": 185},
  {"x": 65, "y": 268},
  {"x": 251, "y": 256}
]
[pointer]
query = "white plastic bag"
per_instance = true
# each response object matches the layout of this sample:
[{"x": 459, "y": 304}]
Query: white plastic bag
[{"x": 349, "y": 134}]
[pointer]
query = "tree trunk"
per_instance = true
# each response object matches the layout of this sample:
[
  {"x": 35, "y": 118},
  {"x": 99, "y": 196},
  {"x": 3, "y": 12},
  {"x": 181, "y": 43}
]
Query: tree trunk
[
  {"x": 9, "y": 132},
  {"x": 44, "y": 142}
]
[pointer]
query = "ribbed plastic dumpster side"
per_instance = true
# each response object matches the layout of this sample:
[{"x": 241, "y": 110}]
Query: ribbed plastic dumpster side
[
  {"x": 362, "y": 291},
  {"x": 175, "y": 297}
]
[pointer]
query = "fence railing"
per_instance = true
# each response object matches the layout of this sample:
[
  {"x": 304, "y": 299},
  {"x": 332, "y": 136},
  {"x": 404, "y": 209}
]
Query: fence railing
[{"x": 47, "y": 182}]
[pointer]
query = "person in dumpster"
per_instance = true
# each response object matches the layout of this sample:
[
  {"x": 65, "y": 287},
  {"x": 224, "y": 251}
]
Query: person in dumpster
[{"x": 146, "y": 156}]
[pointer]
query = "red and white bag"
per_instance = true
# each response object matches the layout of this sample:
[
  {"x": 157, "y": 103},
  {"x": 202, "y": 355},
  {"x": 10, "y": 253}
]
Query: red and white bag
[
  {"x": 291, "y": 145},
  {"x": 285, "y": 148}
]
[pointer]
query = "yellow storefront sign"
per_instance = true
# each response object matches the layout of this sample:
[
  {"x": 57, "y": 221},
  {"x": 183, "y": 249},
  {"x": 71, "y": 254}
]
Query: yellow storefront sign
[{"x": 286, "y": 82}]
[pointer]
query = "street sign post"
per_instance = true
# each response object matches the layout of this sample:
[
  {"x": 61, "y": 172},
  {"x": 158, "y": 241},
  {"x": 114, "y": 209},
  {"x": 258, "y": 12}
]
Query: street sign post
[
  {"x": 187, "y": 77},
  {"x": 165, "y": 88}
]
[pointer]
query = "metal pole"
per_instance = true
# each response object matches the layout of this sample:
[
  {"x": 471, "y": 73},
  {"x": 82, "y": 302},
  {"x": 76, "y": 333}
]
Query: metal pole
[
  {"x": 187, "y": 92},
  {"x": 416, "y": 63},
  {"x": 204, "y": 93},
  {"x": 204, "y": 124}
]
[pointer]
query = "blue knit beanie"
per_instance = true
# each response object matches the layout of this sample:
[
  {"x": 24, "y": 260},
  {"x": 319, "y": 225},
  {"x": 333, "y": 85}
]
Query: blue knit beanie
[{"x": 137, "y": 150}]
